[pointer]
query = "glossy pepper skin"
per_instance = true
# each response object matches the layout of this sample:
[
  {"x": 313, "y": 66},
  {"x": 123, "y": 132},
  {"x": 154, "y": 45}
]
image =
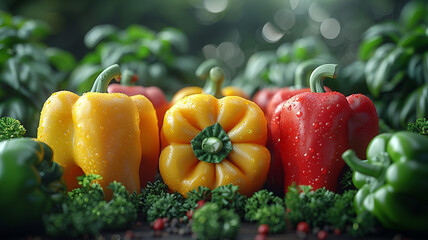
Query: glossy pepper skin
[
  {"x": 242, "y": 127},
  {"x": 29, "y": 182},
  {"x": 311, "y": 131},
  {"x": 263, "y": 96},
  {"x": 154, "y": 94},
  {"x": 392, "y": 182},
  {"x": 108, "y": 134},
  {"x": 275, "y": 181}
]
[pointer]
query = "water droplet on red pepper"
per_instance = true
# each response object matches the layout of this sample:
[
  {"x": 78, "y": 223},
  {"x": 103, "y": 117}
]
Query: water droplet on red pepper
[
  {"x": 323, "y": 170},
  {"x": 299, "y": 114}
]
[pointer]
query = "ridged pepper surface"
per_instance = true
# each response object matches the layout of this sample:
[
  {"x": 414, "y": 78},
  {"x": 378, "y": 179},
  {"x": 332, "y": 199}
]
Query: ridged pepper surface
[
  {"x": 212, "y": 142},
  {"x": 392, "y": 182},
  {"x": 109, "y": 134},
  {"x": 311, "y": 130},
  {"x": 29, "y": 183}
]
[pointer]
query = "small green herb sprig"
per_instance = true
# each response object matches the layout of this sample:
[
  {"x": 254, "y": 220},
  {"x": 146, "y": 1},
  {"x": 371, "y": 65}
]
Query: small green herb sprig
[
  {"x": 84, "y": 210},
  {"x": 11, "y": 128},
  {"x": 214, "y": 222},
  {"x": 265, "y": 208},
  {"x": 420, "y": 126},
  {"x": 321, "y": 208}
]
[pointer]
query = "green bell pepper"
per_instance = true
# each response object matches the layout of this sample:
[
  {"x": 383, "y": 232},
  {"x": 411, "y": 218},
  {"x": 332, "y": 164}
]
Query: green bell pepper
[
  {"x": 29, "y": 182},
  {"x": 393, "y": 183}
]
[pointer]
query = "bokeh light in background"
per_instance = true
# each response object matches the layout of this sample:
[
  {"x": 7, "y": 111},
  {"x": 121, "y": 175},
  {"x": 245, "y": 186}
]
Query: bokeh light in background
[{"x": 225, "y": 29}]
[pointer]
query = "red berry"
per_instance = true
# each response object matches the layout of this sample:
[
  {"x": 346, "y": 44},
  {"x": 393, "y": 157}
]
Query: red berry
[
  {"x": 263, "y": 229},
  {"x": 260, "y": 237},
  {"x": 337, "y": 231},
  {"x": 321, "y": 235},
  {"x": 189, "y": 214},
  {"x": 200, "y": 203},
  {"x": 129, "y": 234},
  {"x": 158, "y": 224},
  {"x": 303, "y": 227}
]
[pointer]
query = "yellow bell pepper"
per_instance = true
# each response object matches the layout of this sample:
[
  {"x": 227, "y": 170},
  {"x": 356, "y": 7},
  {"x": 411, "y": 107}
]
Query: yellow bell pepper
[
  {"x": 212, "y": 142},
  {"x": 109, "y": 134}
]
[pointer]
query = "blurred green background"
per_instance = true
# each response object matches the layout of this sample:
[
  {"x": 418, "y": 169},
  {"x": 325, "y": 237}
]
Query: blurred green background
[{"x": 229, "y": 29}]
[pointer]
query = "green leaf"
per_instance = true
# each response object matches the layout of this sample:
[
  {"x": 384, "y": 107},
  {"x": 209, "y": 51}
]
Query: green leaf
[
  {"x": 33, "y": 30},
  {"x": 203, "y": 153},
  {"x": 413, "y": 13},
  {"x": 8, "y": 36},
  {"x": 372, "y": 67},
  {"x": 367, "y": 48},
  {"x": 258, "y": 63},
  {"x": 415, "y": 40},
  {"x": 83, "y": 76},
  {"x": 112, "y": 53},
  {"x": 98, "y": 34},
  {"x": 175, "y": 37},
  {"x": 60, "y": 59},
  {"x": 139, "y": 33},
  {"x": 14, "y": 107}
]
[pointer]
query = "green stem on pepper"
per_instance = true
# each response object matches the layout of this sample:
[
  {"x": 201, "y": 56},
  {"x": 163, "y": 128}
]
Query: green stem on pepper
[
  {"x": 213, "y": 84},
  {"x": 357, "y": 164},
  {"x": 302, "y": 70},
  {"x": 319, "y": 74},
  {"x": 105, "y": 77},
  {"x": 212, "y": 144}
]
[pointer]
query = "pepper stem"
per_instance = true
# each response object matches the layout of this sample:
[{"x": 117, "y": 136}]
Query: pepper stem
[
  {"x": 212, "y": 145},
  {"x": 302, "y": 71},
  {"x": 213, "y": 84},
  {"x": 319, "y": 74},
  {"x": 126, "y": 78},
  {"x": 105, "y": 77},
  {"x": 361, "y": 166},
  {"x": 203, "y": 70}
]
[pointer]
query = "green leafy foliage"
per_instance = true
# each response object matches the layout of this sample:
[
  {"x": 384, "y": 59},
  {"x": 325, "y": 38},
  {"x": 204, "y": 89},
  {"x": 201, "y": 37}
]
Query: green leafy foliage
[
  {"x": 258, "y": 200},
  {"x": 343, "y": 216},
  {"x": 10, "y": 128},
  {"x": 303, "y": 204},
  {"x": 84, "y": 210},
  {"x": 29, "y": 71},
  {"x": 420, "y": 126},
  {"x": 277, "y": 68},
  {"x": 214, "y": 222},
  {"x": 156, "y": 202},
  {"x": 265, "y": 208},
  {"x": 395, "y": 57},
  {"x": 228, "y": 196},
  {"x": 170, "y": 206},
  {"x": 272, "y": 215},
  {"x": 199, "y": 193},
  {"x": 321, "y": 208},
  {"x": 158, "y": 58},
  {"x": 151, "y": 194}
]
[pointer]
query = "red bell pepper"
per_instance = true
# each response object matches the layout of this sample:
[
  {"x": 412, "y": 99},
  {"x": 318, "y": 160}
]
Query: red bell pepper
[
  {"x": 311, "y": 130},
  {"x": 263, "y": 96},
  {"x": 154, "y": 94},
  {"x": 275, "y": 179}
]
